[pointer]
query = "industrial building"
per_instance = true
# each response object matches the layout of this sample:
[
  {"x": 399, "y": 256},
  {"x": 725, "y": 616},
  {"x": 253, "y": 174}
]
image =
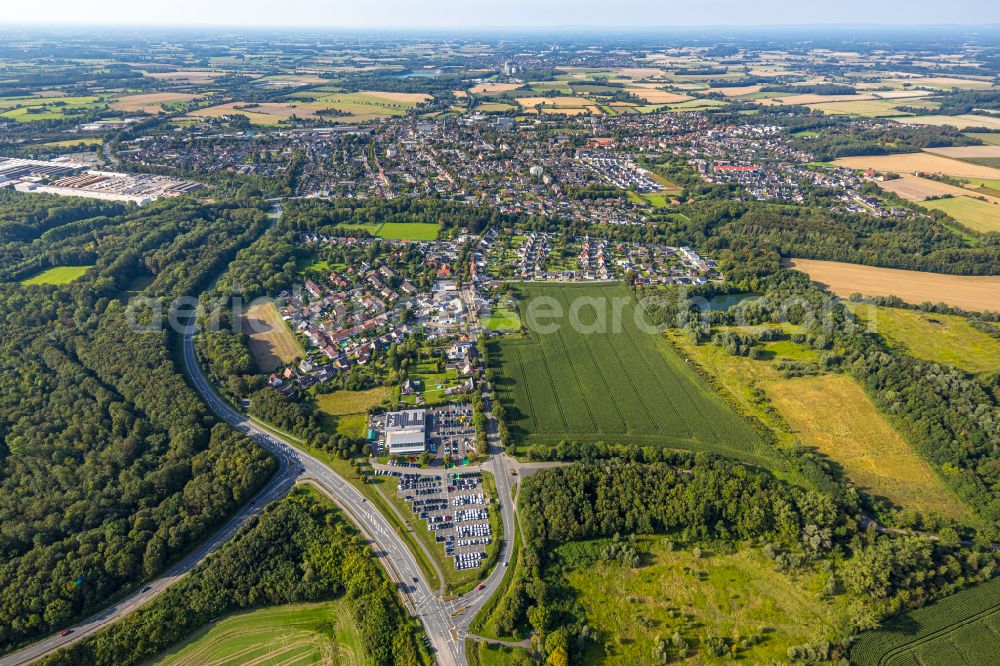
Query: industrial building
[{"x": 406, "y": 432}]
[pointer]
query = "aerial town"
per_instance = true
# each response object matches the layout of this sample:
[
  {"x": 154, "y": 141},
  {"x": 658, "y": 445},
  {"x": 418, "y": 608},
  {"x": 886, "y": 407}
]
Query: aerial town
[{"x": 472, "y": 345}]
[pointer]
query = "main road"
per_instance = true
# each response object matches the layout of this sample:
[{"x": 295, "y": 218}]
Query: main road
[{"x": 446, "y": 623}]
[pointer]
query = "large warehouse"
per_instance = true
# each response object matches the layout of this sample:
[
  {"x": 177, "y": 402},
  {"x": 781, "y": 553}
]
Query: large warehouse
[{"x": 406, "y": 431}]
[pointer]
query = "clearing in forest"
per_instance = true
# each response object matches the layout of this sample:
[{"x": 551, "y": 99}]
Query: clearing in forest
[
  {"x": 57, "y": 275},
  {"x": 833, "y": 414},
  {"x": 271, "y": 343}
]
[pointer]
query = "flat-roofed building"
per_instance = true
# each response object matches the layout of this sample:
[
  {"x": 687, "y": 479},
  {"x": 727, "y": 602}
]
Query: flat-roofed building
[{"x": 406, "y": 431}]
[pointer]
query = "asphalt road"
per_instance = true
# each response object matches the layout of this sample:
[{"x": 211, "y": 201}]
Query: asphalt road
[
  {"x": 279, "y": 484},
  {"x": 445, "y": 622}
]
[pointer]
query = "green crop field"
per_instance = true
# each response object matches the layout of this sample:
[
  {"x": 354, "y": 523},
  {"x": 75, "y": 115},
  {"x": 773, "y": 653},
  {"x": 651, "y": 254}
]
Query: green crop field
[
  {"x": 624, "y": 384},
  {"x": 294, "y": 634},
  {"x": 415, "y": 231},
  {"x": 963, "y": 628},
  {"x": 57, "y": 275},
  {"x": 973, "y": 213}
]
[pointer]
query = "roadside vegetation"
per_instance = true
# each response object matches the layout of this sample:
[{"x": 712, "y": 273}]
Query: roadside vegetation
[{"x": 301, "y": 549}]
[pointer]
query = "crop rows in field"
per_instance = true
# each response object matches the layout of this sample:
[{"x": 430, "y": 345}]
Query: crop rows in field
[
  {"x": 620, "y": 385},
  {"x": 963, "y": 628}
]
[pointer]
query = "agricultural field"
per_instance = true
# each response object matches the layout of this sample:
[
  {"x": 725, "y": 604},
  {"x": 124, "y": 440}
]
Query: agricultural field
[
  {"x": 963, "y": 628},
  {"x": 834, "y": 415},
  {"x": 263, "y": 113},
  {"x": 322, "y": 633},
  {"x": 870, "y": 109},
  {"x": 938, "y": 83},
  {"x": 654, "y": 95},
  {"x": 939, "y": 338},
  {"x": 271, "y": 343},
  {"x": 973, "y": 293},
  {"x": 187, "y": 76},
  {"x": 620, "y": 384},
  {"x": 493, "y": 88},
  {"x": 344, "y": 403},
  {"x": 915, "y": 188},
  {"x": 151, "y": 103},
  {"x": 966, "y": 152},
  {"x": 42, "y": 107},
  {"x": 57, "y": 275},
  {"x": 963, "y": 121},
  {"x": 989, "y": 138},
  {"x": 975, "y": 214},
  {"x": 719, "y": 594},
  {"x": 414, "y": 231},
  {"x": 72, "y": 143},
  {"x": 924, "y": 162}
]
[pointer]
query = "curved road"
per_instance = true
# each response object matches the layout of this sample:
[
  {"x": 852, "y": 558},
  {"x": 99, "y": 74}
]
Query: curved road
[{"x": 445, "y": 622}]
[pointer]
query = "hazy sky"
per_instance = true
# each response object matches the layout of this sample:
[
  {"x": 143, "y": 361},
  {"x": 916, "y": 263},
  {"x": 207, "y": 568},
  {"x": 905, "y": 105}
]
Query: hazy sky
[{"x": 498, "y": 13}]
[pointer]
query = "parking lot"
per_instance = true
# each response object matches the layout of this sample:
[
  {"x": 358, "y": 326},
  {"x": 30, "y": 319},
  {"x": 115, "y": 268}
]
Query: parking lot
[
  {"x": 456, "y": 510},
  {"x": 449, "y": 432}
]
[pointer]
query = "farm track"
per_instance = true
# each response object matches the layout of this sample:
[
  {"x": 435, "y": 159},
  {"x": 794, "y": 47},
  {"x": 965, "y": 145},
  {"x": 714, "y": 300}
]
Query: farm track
[
  {"x": 604, "y": 383},
  {"x": 521, "y": 381},
  {"x": 577, "y": 381}
]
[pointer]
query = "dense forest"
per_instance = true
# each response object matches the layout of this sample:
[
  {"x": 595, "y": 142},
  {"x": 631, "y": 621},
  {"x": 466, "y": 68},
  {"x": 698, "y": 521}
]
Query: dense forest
[
  {"x": 111, "y": 466},
  {"x": 300, "y": 549}
]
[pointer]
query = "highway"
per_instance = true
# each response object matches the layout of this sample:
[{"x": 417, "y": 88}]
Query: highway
[
  {"x": 277, "y": 487},
  {"x": 445, "y": 622}
]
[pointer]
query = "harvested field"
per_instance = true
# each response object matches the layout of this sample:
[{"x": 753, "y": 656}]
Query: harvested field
[
  {"x": 922, "y": 162},
  {"x": 616, "y": 383},
  {"x": 557, "y": 102},
  {"x": 736, "y": 91},
  {"x": 833, "y": 414},
  {"x": 411, "y": 99},
  {"x": 264, "y": 113},
  {"x": 489, "y": 88},
  {"x": 939, "y": 83},
  {"x": 900, "y": 94},
  {"x": 188, "y": 76},
  {"x": 966, "y": 152},
  {"x": 915, "y": 188},
  {"x": 974, "y": 293},
  {"x": 810, "y": 98},
  {"x": 271, "y": 343},
  {"x": 151, "y": 103},
  {"x": 961, "y": 122},
  {"x": 654, "y": 95}
]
